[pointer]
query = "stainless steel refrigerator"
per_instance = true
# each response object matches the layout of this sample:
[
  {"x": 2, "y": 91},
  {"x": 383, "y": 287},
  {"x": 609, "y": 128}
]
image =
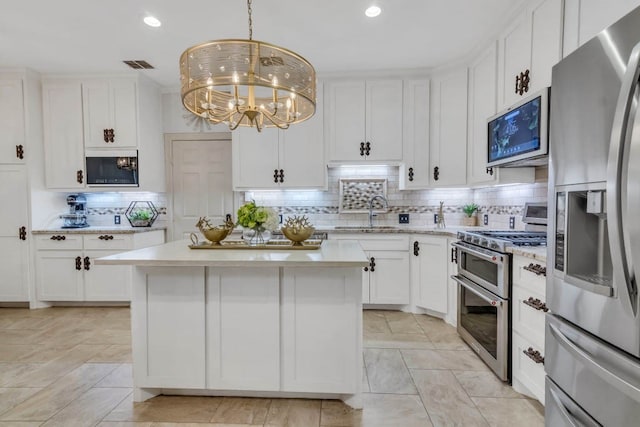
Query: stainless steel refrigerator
[{"x": 592, "y": 336}]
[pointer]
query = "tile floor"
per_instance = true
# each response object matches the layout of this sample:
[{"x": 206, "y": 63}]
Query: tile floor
[{"x": 72, "y": 367}]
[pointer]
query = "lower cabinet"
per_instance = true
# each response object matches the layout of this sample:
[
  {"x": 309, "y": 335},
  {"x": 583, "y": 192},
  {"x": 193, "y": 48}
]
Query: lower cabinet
[
  {"x": 65, "y": 270},
  {"x": 528, "y": 326},
  {"x": 429, "y": 272}
]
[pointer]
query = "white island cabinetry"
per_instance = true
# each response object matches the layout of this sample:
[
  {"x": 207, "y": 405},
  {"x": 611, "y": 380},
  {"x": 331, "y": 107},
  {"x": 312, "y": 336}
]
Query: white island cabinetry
[{"x": 247, "y": 322}]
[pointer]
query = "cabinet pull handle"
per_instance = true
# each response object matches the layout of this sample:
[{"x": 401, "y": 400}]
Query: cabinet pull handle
[
  {"x": 537, "y": 269},
  {"x": 367, "y": 268},
  {"x": 372, "y": 262},
  {"x": 367, "y": 148},
  {"x": 20, "y": 152},
  {"x": 58, "y": 237},
  {"x": 410, "y": 174},
  {"x": 105, "y": 135},
  {"x": 416, "y": 248},
  {"x": 78, "y": 263},
  {"x": 275, "y": 176},
  {"x": 522, "y": 82},
  {"x": 281, "y": 175},
  {"x": 22, "y": 233},
  {"x": 362, "y": 148},
  {"x": 436, "y": 173},
  {"x": 534, "y": 355},
  {"x": 454, "y": 255},
  {"x": 87, "y": 263},
  {"x": 106, "y": 237},
  {"x": 536, "y": 304},
  {"x": 111, "y": 135},
  {"x": 79, "y": 176},
  {"x": 490, "y": 171}
]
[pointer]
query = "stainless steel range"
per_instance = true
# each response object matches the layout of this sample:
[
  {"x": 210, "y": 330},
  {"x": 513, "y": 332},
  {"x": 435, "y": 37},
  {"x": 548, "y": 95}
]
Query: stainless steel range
[{"x": 484, "y": 286}]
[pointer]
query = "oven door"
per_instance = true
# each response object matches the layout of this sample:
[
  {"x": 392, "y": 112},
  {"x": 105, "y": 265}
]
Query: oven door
[
  {"x": 483, "y": 322},
  {"x": 487, "y": 268}
]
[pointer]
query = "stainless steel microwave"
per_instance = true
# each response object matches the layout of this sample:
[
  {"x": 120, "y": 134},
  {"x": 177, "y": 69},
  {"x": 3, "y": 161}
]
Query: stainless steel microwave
[{"x": 112, "y": 168}]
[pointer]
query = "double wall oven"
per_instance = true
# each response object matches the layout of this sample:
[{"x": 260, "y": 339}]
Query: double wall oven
[{"x": 484, "y": 287}]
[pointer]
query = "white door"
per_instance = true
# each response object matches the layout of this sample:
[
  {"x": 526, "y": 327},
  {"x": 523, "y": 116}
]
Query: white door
[
  {"x": 13, "y": 250},
  {"x": 11, "y": 120},
  {"x": 201, "y": 183}
]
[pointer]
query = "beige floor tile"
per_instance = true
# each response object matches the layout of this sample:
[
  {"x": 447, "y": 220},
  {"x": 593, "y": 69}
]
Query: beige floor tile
[
  {"x": 156, "y": 424},
  {"x": 113, "y": 354},
  {"x": 110, "y": 336},
  {"x": 402, "y": 323},
  {"x": 374, "y": 321},
  {"x": 433, "y": 325},
  {"x": 508, "y": 412},
  {"x": 19, "y": 423},
  {"x": 29, "y": 323},
  {"x": 30, "y": 353},
  {"x": 187, "y": 409},
  {"x": 12, "y": 373},
  {"x": 124, "y": 424},
  {"x": 48, "y": 401},
  {"x": 242, "y": 410},
  {"x": 378, "y": 410},
  {"x": 399, "y": 340},
  {"x": 19, "y": 336},
  {"x": 337, "y": 413},
  {"x": 448, "y": 341},
  {"x": 387, "y": 372},
  {"x": 10, "y": 397},
  {"x": 484, "y": 384},
  {"x": 445, "y": 399},
  {"x": 294, "y": 413},
  {"x": 88, "y": 409},
  {"x": 365, "y": 379},
  {"x": 443, "y": 359},
  {"x": 537, "y": 406},
  {"x": 122, "y": 376}
]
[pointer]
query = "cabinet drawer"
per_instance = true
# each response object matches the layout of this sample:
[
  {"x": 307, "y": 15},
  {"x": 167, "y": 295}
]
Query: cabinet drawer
[
  {"x": 59, "y": 241},
  {"x": 377, "y": 242},
  {"x": 527, "y": 372},
  {"x": 526, "y": 278},
  {"x": 527, "y": 320},
  {"x": 108, "y": 241}
]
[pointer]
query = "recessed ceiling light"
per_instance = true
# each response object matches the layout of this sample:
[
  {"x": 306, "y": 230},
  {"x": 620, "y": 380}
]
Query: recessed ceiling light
[
  {"x": 152, "y": 21},
  {"x": 372, "y": 11}
]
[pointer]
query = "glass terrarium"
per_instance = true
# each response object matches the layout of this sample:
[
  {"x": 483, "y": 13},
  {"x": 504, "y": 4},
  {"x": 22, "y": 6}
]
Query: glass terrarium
[{"x": 141, "y": 214}]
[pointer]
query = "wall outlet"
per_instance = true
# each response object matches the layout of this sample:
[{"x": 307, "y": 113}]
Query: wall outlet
[
  {"x": 435, "y": 218},
  {"x": 403, "y": 218},
  {"x": 512, "y": 222},
  {"x": 116, "y": 219},
  {"x": 485, "y": 219}
]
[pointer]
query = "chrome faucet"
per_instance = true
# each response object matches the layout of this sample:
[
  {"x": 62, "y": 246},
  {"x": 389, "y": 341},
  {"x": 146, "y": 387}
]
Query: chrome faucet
[{"x": 371, "y": 214}]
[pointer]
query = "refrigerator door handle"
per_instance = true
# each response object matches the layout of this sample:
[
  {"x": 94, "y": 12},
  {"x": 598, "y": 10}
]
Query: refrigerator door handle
[
  {"x": 616, "y": 196},
  {"x": 563, "y": 411},
  {"x": 616, "y": 381}
]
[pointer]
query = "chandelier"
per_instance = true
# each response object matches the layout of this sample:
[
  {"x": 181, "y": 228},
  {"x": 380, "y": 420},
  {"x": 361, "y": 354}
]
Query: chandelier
[{"x": 247, "y": 83}]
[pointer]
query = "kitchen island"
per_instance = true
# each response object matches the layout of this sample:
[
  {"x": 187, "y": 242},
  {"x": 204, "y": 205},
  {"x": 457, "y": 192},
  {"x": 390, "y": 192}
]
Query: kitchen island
[{"x": 231, "y": 322}]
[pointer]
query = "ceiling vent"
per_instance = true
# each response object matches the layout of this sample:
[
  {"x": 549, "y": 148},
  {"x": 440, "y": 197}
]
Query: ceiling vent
[{"x": 139, "y": 64}]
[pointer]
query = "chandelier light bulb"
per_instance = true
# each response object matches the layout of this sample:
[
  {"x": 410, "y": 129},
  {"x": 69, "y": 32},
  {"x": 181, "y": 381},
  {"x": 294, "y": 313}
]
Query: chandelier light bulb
[
  {"x": 152, "y": 21},
  {"x": 373, "y": 11}
]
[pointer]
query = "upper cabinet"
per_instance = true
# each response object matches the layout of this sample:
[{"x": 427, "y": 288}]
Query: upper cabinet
[
  {"x": 364, "y": 120},
  {"x": 448, "y": 145},
  {"x": 274, "y": 158},
  {"x": 109, "y": 113},
  {"x": 528, "y": 49},
  {"x": 414, "y": 172},
  {"x": 12, "y": 137}
]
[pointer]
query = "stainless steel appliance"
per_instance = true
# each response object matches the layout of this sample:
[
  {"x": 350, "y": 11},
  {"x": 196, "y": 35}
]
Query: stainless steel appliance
[
  {"x": 592, "y": 348},
  {"x": 484, "y": 287},
  {"x": 77, "y": 216},
  {"x": 112, "y": 168}
]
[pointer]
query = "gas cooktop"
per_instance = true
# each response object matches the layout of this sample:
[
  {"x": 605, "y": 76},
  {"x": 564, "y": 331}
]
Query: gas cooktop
[{"x": 499, "y": 240}]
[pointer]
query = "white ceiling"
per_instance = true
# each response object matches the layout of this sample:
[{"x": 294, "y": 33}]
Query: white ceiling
[{"x": 87, "y": 36}]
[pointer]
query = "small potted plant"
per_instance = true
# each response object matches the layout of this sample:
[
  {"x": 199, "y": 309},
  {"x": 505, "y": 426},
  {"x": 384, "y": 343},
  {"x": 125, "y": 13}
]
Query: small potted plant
[
  {"x": 470, "y": 218},
  {"x": 141, "y": 214}
]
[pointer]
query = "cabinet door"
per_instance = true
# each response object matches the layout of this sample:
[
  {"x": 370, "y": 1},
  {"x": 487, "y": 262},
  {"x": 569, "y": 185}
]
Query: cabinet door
[
  {"x": 546, "y": 42},
  {"x": 429, "y": 270},
  {"x": 302, "y": 152},
  {"x": 345, "y": 120},
  {"x": 255, "y": 158},
  {"x": 11, "y": 120},
  {"x": 96, "y": 113},
  {"x": 124, "y": 118},
  {"x": 57, "y": 276},
  {"x": 14, "y": 266},
  {"x": 449, "y": 130},
  {"x": 105, "y": 282},
  {"x": 415, "y": 136},
  {"x": 515, "y": 58},
  {"x": 389, "y": 280},
  {"x": 384, "y": 119},
  {"x": 63, "y": 140}
]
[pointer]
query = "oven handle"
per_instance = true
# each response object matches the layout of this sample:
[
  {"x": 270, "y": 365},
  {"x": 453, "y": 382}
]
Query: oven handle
[
  {"x": 479, "y": 254},
  {"x": 485, "y": 295}
]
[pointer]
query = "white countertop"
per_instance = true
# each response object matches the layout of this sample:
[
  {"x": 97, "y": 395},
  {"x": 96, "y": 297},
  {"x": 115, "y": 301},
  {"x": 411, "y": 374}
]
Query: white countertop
[
  {"x": 116, "y": 229},
  {"x": 332, "y": 253},
  {"x": 536, "y": 252}
]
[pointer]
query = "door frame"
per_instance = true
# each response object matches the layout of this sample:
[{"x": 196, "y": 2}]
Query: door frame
[{"x": 169, "y": 139}]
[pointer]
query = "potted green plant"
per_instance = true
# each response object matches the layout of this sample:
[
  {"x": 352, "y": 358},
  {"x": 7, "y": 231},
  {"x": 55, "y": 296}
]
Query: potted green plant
[
  {"x": 141, "y": 214},
  {"x": 470, "y": 218}
]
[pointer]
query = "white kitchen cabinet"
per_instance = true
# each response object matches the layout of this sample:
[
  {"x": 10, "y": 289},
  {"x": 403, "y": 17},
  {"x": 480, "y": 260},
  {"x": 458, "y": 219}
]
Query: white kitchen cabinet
[
  {"x": 528, "y": 311},
  {"x": 482, "y": 105},
  {"x": 386, "y": 280},
  {"x": 429, "y": 272},
  {"x": 12, "y": 134},
  {"x": 65, "y": 268},
  {"x": 529, "y": 47},
  {"x": 278, "y": 159},
  {"x": 109, "y": 113},
  {"x": 14, "y": 247},
  {"x": 414, "y": 171},
  {"x": 452, "y": 285},
  {"x": 448, "y": 143},
  {"x": 364, "y": 120}
]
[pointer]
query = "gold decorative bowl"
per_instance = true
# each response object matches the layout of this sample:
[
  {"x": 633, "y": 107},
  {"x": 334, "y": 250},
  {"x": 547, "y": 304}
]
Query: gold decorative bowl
[
  {"x": 214, "y": 234},
  {"x": 297, "y": 235}
]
